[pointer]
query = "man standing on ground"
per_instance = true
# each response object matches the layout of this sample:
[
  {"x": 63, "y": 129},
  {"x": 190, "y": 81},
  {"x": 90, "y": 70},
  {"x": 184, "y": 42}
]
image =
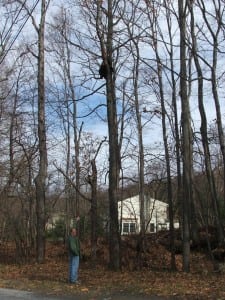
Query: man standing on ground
[{"x": 74, "y": 255}]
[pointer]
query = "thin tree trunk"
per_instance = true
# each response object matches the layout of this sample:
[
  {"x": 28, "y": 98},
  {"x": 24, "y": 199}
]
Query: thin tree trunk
[
  {"x": 167, "y": 158},
  {"x": 215, "y": 31},
  {"x": 93, "y": 212},
  {"x": 40, "y": 180},
  {"x": 203, "y": 129},
  {"x": 186, "y": 138},
  {"x": 75, "y": 204},
  {"x": 11, "y": 134},
  {"x": 175, "y": 112},
  {"x": 67, "y": 182},
  {"x": 165, "y": 139},
  {"x": 143, "y": 228}
]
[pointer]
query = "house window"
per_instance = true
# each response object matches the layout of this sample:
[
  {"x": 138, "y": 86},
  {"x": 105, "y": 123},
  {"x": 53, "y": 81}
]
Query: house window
[
  {"x": 152, "y": 227},
  {"x": 132, "y": 228},
  {"x": 125, "y": 227},
  {"x": 129, "y": 228}
]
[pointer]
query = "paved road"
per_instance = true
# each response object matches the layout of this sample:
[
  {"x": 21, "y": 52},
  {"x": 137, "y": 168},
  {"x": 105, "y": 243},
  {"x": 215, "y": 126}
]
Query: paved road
[{"x": 9, "y": 294}]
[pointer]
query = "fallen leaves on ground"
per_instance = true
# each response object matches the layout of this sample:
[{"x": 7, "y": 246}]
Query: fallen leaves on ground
[{"x": 51, "y": 278}]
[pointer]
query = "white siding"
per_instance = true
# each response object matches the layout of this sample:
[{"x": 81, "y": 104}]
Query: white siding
[{"x": 155, "y": 214}]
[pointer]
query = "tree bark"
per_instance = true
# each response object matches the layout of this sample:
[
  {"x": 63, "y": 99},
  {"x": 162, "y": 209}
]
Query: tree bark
[
  {"x": 93, "y": 211},
  {"x": 114, "y": 152},
  {"x": 204, "y": 134},
  {"x": 186, "y": 138},
  {"x": 175, "y": 111},
  {"x": 40, "y": 180},
  {"x": 215, "y": 31}
]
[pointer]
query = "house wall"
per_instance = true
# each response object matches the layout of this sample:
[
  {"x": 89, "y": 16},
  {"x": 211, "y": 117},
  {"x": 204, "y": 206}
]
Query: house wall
[
  {"x": 156, "y": 213},
  {"x": 129, "y": 213}
]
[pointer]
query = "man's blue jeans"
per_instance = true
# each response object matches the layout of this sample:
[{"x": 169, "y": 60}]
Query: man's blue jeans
[{"x": 73, "y": 268}]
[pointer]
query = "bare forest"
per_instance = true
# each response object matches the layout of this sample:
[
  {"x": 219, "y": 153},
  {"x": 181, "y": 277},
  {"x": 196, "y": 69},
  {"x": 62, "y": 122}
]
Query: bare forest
[{"x": 104, "y": 99}]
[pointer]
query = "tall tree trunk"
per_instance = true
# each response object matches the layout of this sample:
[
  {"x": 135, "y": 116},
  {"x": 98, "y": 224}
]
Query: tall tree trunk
[
  {"x": 93, "y": 211},
  {"x": 143, "y": 219},
  {"x": 40, "y": 180},
  {"x": 114, "y": 152},
  {"x": 77, "y": 133},
  {"x": 67, "y": 181},
  {"x": 73, "y": 202},
  {"x": 161, "y": 98},
  {"x": 203, "y": 130},
  {"x": 215, "y": 30},
  {"x": 92, "y": 180},
  {"x": 175, "y": 111},
  {"x": 186, "y": 137},
  {"x": 12, "y": 132},
  {"x": 167, "y": 158},
  {"x": 75, "y": 206}
]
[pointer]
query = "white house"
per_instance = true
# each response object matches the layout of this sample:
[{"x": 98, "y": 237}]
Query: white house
[{"x": 155, "y": 211}]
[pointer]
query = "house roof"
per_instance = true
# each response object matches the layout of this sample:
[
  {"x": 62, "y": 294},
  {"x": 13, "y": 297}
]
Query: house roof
[{"x": 135, "y": 199}]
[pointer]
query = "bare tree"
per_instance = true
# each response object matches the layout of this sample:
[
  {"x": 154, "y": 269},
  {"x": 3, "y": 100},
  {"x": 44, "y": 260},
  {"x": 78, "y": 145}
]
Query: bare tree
[
  {"x": 203, "y": 130},
  {"x": 92, "y": 179},
  {"x": 106, "y": 45},
  {"x": 186, "y": 135},
  {"x": 167, "y": 154},
  {"x": 169, "y": 11},
  {"x": 40, "y": 180},
  {"x": 89, "y": 175},
  {"x": 136, "y": 106},
  {"x": 214, "y": 24},
  {"x": 19, "y": 189}
]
